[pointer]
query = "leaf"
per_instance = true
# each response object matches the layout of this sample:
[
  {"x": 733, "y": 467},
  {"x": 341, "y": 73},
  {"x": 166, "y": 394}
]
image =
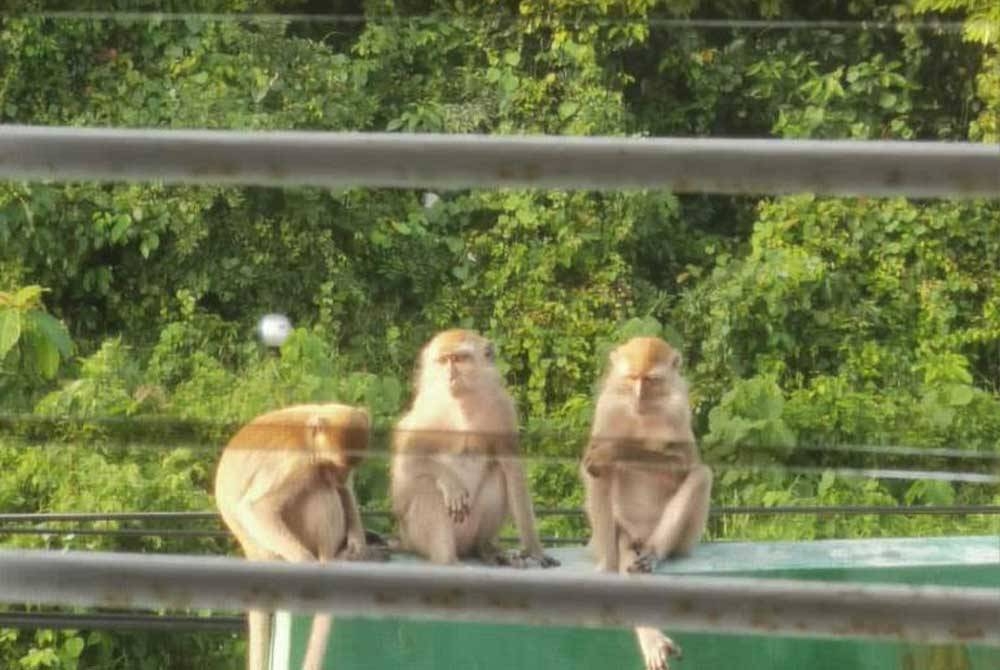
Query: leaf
[
  {"x": 826, "y": 482},
  {"x": 40, "y": 658},
  {"x": 10, "y": 330},
  {"x": 73, "y": 647},
  {"x": 568, "y": 109},
  {"x": 52, "y": 330},
  {"x": 887, "y": 100},
  {"x": 28, "y": 297},
  {"x": 46, "y": 356},
  {"x": 120, "y": 228},
  {"x": 731, "y": 477},
  {"x": 929, "y": 492},
  {"x": 959, "y": 395},
  {"x": 149, "y": 244}
]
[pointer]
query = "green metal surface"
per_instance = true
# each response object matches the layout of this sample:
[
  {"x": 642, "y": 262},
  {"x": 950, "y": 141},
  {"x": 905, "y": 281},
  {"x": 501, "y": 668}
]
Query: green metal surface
[{"x": 957, "y": 561}]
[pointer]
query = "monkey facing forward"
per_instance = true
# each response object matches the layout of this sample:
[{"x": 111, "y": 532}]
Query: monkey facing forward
[
  {"x": 455, "y": 470},
  {"x": 647, "y": 491},
  {"x": 283, "y": 488}
]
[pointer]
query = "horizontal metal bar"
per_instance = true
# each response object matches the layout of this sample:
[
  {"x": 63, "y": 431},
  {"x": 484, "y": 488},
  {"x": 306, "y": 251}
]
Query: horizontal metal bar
[
  {"x": 117, "y": 622},
  {"x": 721, "y": 510},
  {"x": 473, "y": 593},
  {"x": 406, "y": 160}
]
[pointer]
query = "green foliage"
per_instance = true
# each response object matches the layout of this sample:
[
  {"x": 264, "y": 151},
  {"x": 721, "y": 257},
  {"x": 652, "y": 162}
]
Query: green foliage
[
  {"x": 33, "y": 344},
  {"x": 749, "y": 415},
  {"x": 982, "y": 25}
]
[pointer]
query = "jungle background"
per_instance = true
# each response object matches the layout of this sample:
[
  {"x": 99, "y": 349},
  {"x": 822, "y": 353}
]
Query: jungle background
[{"x": 808, "y": 324}]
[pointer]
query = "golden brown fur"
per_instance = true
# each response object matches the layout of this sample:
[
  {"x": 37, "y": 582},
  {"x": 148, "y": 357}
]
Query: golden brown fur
[
  {"x": 455, "y": 469},
  {"x": 283, "y": 488},
  {"x": 647, "y": 491}
]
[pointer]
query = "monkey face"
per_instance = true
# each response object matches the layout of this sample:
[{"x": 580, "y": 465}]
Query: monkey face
[
  {"x": 644, "y": 370},
  {"x": 460, "y": 361}
]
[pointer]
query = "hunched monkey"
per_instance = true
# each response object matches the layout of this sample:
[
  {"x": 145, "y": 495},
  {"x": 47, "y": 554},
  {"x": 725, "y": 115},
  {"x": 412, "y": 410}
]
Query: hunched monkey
[
  {"x": 283, "y": 488},
  {"x": 455, "y": 470},
  {"x": 647, "y": 491}
]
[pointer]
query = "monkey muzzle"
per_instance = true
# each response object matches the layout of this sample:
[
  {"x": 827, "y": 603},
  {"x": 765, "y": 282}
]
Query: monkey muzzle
[
  {"x": 456, "y": 383},
  {"x": 640, "y": 394},
  {"x": 455, "y": 376}
]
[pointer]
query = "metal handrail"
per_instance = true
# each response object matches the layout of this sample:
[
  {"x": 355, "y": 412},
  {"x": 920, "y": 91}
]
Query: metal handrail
[
  {"x": 925, "y": 614},
  {"x": 448, "y": 161}
]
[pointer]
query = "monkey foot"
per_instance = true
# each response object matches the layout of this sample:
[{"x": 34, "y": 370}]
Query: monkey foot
[
  {"x": 489, "y": 554},
  {"x": 520, "y": 559},
  {"x": 546, "y": 561},
  {"x": 657, "y": 648},
  {"x": 367, "y": 553},
  {"x": 644, "y": 563}
]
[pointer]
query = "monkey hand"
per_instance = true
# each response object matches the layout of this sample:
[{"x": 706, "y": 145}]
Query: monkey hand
[
  {"x": 644, "y": 563},
  {"x": 456, "y": 500}
]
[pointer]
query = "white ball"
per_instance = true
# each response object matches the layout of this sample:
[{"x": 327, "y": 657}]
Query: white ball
[
  {"x": 274, "y": 329},
  {"x": 430, "y": 199}
]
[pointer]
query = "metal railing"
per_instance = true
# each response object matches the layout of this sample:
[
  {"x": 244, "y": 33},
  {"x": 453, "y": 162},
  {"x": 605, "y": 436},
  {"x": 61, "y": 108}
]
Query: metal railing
[
  {"x": 914, "y": 169},
  {"x": 444, "y": 161},
  {"x": 540, "y": 597}
]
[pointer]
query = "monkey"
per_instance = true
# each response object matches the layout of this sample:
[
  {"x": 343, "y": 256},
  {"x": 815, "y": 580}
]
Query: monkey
[
  {"x": 283, "y": 487},
  {"x": 647, "y": 490},
  {"x": 455, "y": 472}
]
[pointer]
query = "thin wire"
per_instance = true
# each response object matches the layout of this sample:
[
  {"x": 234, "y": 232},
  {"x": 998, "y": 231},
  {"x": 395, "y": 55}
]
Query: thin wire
[
  {"x": 653, "y": 22},
  {"x": 844, "y": 472},
  {"x": 153, "y": 428},
  {"x": 542, "y": 512}
]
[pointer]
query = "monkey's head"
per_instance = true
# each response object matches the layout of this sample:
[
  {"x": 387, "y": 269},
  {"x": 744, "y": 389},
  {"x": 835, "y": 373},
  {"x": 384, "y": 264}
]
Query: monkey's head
[
  {"x": 458, "y": 362},
  {"x": 340, "y": 433},
  {"x": 646, "y": 372}
]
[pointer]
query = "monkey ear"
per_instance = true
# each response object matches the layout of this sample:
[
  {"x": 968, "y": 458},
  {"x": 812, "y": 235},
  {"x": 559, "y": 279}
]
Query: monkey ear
[
  {"x": 489, "y": 351},
  {"x": 676, "y": 363}
]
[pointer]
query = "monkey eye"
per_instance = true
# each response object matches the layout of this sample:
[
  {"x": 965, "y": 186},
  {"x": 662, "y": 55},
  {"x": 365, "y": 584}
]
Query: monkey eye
[{"x": 457, "y": 357}]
